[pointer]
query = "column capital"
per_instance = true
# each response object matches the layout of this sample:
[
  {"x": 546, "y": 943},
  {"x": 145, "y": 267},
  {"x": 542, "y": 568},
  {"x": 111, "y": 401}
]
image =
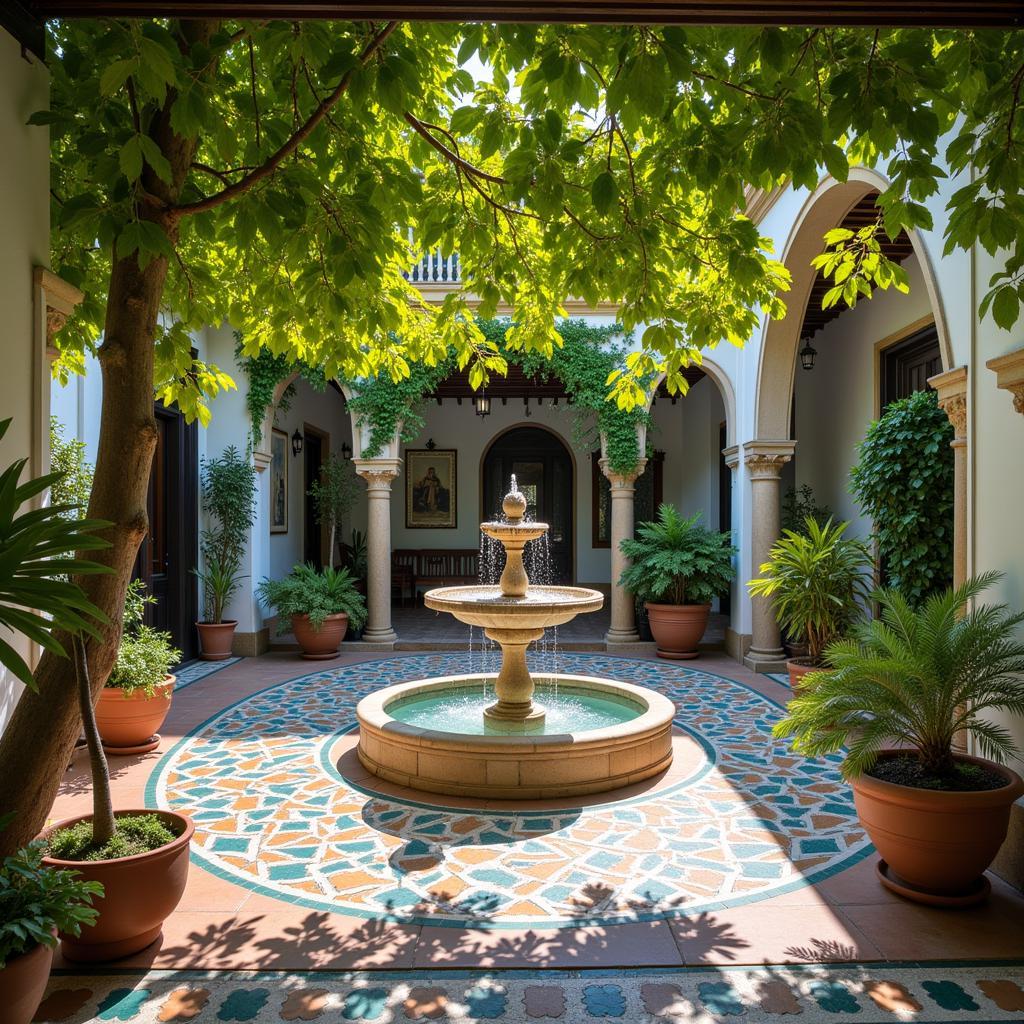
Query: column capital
[
  {"x": 60, "y": 299},
  {"x": 622, "y": 480},
  {"x": 261, "y": 460},
  {"x": 1009, "y": 371},
  {"x": 731, "y": 455},
  {"x": 765, "y": 459},
  {"x": 951, "y": 388},
  {"x": 378, "y": 473}
]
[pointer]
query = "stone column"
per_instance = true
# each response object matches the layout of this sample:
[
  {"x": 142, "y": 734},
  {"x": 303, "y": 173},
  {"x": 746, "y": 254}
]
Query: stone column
[
  {"x": 951, "y": 387},
  {"x": 623, "y": 618},
  {"x": 765, "y": 460},
  {"x": 378, "y": 474}
]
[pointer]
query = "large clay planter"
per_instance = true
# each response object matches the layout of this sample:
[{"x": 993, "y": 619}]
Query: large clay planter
[
  {"x": 677, "y": 628},
  {"x": 937, "y": 843},
  {"x": 215, "y": 639},
  {"x": 22, "y": 983},
  {"x": 323, "y": 643},
  {"x": 140, "y": 892},
  {"x": 798, "y": 668},
  {"x": 130, "y": 724}
]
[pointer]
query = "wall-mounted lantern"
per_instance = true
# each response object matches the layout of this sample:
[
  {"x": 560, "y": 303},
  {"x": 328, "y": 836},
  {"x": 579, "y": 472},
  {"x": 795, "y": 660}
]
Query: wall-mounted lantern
[{"x": 297, "y": 440}]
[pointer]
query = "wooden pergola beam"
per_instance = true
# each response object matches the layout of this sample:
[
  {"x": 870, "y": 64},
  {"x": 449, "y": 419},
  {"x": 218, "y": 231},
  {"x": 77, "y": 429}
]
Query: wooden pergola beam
[{"x": 876, "y": 13}]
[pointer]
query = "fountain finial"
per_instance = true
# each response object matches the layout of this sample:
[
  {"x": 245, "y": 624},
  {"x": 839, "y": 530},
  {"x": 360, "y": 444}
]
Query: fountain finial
[{"x": 514, "y": 503}]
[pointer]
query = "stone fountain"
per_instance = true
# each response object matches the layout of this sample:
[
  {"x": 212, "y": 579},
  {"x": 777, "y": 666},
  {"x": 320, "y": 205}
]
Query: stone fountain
[{"x": 448, "y": 735}]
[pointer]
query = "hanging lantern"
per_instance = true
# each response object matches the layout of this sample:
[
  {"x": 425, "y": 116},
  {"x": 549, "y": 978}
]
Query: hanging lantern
[
  {"x": 483, "y": 406},
  {"x": 807, "y": 355},
  {"x": 297, "y": 440}
]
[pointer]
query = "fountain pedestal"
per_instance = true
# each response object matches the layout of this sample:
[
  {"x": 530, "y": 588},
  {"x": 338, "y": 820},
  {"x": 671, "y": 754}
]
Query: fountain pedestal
[{"x": 514, "y": 685}]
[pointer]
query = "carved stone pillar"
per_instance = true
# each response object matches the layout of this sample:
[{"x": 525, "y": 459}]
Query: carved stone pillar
[
  {"x": 623, "y": 613},
  {"x": 378, "y": 474},
  {"x": 1009, "y": 371},
  {"x": 765, "y": 460},
  {"x": 951, "y": 387}
]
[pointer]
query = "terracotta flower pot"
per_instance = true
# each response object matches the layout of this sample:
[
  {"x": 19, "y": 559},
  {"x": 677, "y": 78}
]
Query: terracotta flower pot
[
  {"x": 678, "y": 628},
  {"x": 22, "y": 983},
  {"x": 215, "y": 639},
  {"x": 798, "y": 668},
  {"x": 939, "y": 843},
  {"x": 129, "y": 724},
  {"x": 140, "y": 892},
  {"x": 320, "y": 644}
]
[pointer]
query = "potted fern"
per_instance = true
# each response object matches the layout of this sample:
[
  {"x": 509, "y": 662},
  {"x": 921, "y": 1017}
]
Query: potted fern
[
  {"x": 678, "y": 568},
  {"x": 318, "y": 605},
  {"x": 36, "y": 902},
  {"x": 894, "y": 695},
  {"x": 817, "y": 581},
  {"x": 137, "y": 697},
  {"x": 229, "y": 501}
]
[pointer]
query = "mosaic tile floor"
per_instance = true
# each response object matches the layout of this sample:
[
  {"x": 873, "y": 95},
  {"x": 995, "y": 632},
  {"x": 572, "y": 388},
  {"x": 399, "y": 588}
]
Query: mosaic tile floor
[
  {"x": 886, "y": 993},
  {"x": 196, "y": 670},
  {"x": 275, "y": 815}
]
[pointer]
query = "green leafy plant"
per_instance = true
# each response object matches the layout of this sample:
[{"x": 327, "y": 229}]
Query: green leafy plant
[
  {"x": 799, "y": 505},
  {"x": 677, "y": 561},
  {"x": 145, "y": 654},
  {"x": 37, "y": 901},
  {"x": 37, "y": 595},
  {"x": 229, "y": 500},
  {"x": 133, "y": 834},
  {"x": 334, "y": 495},
  {"x": 67, "y": 457},
  {"x": 903, "y": 480},
  {"x": 916, "y": 676},
  {"x": 357, "y": 555},
  {"x": 305, "y": 591},
  {"x": 817, "y": 582}
]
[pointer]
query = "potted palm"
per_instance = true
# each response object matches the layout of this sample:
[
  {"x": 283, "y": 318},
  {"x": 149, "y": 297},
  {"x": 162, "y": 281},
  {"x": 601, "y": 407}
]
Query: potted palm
[
  {"x": 35, "y": 903},
  {"x": 137, "y": 697},
  {"x": 817, "y": 581},
  {"x": 318, "y": 606},
  {"x": 894, "y": 694},
  {"x": 678, "y": 568},
  {"x": 229, "y": 501}
]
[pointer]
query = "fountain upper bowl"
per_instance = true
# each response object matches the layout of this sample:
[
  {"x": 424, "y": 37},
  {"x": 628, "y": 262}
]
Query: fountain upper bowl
[
  {"x": 489, "y": 607},
  {"x": 514, "y": 531}
]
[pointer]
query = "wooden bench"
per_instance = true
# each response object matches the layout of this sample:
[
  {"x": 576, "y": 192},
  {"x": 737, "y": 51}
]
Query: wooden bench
[{"x": 413, "y": 570}]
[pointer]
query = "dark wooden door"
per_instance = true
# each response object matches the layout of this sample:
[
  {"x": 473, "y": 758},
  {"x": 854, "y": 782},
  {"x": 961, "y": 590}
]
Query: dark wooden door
[
  {"x": 170, "y": 550},
  {"x": 543, "y": 469},
  {"x": 313, "y": 457},
  {"x": 907, "y": 365}
]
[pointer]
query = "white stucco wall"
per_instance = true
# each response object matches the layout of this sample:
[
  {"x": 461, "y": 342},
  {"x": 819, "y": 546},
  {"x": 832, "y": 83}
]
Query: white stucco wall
[{"x": 25, "y": 220}]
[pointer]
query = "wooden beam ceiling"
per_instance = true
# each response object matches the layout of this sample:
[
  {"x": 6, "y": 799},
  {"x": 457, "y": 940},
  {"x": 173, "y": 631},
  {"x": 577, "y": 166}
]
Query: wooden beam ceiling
[
  {"x": 515, "y": 385},
  {"x": 876, "y": 13},
  {"x": 864, "y": 213}
]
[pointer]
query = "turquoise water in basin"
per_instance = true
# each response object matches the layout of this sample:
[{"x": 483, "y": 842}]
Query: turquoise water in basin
[{"x": 569, "y": 709}]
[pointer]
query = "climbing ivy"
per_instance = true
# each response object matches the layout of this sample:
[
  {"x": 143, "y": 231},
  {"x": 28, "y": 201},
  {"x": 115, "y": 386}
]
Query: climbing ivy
[{"x": 583, "y": 362}]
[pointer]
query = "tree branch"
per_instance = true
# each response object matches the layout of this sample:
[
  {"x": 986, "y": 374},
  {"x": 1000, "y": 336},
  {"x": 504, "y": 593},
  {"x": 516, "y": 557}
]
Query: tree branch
[
  {"x": 271, "y": 164},
  {"x": 470, "y": 169}
]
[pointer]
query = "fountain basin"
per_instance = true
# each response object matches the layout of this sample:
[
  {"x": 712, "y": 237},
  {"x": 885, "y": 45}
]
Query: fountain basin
[
  {"x": 516, "y": 765},
  {"x": 539, "y": 608}
]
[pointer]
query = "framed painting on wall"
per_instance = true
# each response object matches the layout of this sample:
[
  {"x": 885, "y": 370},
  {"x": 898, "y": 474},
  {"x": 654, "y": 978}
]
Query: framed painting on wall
[
  {"x": 278, "y": 481},
  {"x": 430, "y": 489}
]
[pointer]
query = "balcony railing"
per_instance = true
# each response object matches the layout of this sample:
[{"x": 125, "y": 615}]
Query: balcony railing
[{"x": 434, "y": 268}]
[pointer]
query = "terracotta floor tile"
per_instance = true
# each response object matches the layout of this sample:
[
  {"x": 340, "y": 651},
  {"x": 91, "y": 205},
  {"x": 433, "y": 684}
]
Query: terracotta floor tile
[
  {"x": 647, "y": 944},
  {"x": 811, "y": 933}
]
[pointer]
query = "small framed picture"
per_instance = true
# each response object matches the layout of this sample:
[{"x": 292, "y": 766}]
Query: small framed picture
[
  {"x": 278, "y": 481},
  {"x": 430, "y": 489}
]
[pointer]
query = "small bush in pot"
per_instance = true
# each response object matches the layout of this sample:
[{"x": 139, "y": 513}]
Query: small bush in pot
[
  {"x": 318, "y": 605},
  {"x": 229, "y": 501},
  {"x": 137, "y": 696},
  {"x": 35, "y": 903},
  {"x": 678, "y": 568},
  {"x": 894, "y": 694},
  {"x": 818, "y": 582}
]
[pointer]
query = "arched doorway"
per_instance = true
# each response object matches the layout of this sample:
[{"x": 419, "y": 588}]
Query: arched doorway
[{"x": 543, "y": 468}]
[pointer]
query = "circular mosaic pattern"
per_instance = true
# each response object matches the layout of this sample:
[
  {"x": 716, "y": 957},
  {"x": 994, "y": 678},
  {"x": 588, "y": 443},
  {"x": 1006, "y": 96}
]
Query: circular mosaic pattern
[{"x": 273, "y": 814}]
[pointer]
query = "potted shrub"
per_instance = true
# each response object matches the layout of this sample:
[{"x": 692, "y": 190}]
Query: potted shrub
[
  {"x": 136, "y": 698},
  {"x": 678, "y": 568},
  {"x": 817, "y": 581},
  {"x": 318, "y": 605},
  {"x": 333, "y": 496},
  {"x": 35, "y": 903},
  {"x": 894, "y": 695},
  {"x": 139, "y": 856},
  {"x": 229, "y": 500}
]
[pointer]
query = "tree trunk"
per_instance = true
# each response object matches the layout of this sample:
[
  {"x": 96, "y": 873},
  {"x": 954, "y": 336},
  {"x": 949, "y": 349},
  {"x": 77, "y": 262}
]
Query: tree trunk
[
  {"x": 40, "y": 737},
  {"x": 102, "y": 805}
]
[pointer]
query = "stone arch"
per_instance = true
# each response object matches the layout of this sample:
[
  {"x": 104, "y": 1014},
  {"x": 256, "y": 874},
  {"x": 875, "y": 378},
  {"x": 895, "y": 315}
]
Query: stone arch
[
  {"x": 725, "y": 390},
  {"x": 824, "y": 209}
]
